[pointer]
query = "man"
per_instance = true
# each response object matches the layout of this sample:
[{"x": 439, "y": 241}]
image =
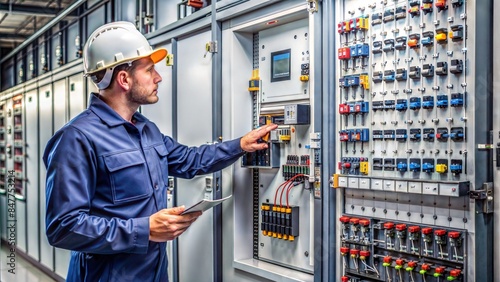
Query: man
[{"x": 107, "y": 169}]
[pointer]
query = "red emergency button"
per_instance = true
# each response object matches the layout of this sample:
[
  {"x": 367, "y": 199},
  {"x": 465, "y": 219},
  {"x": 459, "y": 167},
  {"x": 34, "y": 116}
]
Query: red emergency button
[
  {"x": 455, "y": 272},
  {"x": 388, "y": 225},
  {"x": 454, "y": 234},
  {"x": 426, "y": 231},
  {"x": 364, "y": 222},
  {"x": 400, "y": 227},
  {"x": 440, "y": 232},
  {"x": 344, "y": 219},
  {"x": 414, "y": 229}
]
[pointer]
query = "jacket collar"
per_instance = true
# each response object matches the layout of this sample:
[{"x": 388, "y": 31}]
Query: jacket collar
[{"x": 109, "y": 116}]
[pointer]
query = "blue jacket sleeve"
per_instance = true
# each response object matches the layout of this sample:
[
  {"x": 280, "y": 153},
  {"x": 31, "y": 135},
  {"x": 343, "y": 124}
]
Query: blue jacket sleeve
[
  {"x": 70, "y": 186},
  {"x": 187, "y": 162}
]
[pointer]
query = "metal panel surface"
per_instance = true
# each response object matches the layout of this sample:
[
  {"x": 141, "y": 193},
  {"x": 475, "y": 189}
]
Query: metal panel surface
[
  {"x": 194, "y": 128},
  {"x": 71, "y": 48},
  {"x": 45, "y": 118},
  {"x": 32, "y": 163},
  {"x": 76, "y": 97},
  {"x": 161, "y": 112},
  {"x": 95, "y": 20}
]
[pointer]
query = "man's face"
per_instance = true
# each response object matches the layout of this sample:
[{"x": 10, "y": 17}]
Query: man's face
[{"x": 145, "y": 81}]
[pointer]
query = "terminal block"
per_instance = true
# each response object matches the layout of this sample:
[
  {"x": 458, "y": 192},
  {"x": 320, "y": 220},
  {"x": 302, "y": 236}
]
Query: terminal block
[
  {"x": 401, "y": 105},
  {"x": 428, "y": 165},
  {"x": 414, "y": 237},
  {"x": 440, "y": 239},
  {"x": 456, "y": 166},
  {"x": 454, "y": 275},
  {"x": 389, "y": 134},
  {"x": 427, "y": 38},
  {"x": 389, "y": 45},
  {"x": 456, "y": 33},
  {"x": 354, "y": 228},
  {"x": 414, "y": 8},
  {"x": 428, "y": 134},
  {"x": 413, "y": 42},
  {"x": 455, "y": 239},
  {"x": 428, "y": 102},
  {"x": 442, "y": 101},
  {"x": 389, "y": 76},
  {"x": 427, "y": 70},
  {"x": 415, "y": 103},
  {"x": 377, "y": 135},
  {"x": 414, "y": 72},
  {"x": 427, "y": 238},
  {"x": 456, "y": 66},
  {"x": 362, "y": 23},
  {"x": 427, "y": 6},
  {"x": 377, "y": 47},
  {"x": 401, "y": 74},
  {"x": 457, "y": 100},
  {"x": 400, "y": 12},
  {"x": 388, "y": 15},
  {"x": 442, "y": 166},
  {"x": 401, "y": 135},
  {"x": 457, "y": 134},
  {"x": 280, "y": 222},
  {"x": 389, "y": 234},
  {"x": 401, "y": 43},
  {"x": 402, "y": 165},
  {"x": 376, "y": 19},
  {"x": 441, "y": 35},
  {"x": 389, "y": 105},
  {"x": 415, "y": 165},
  {"x": 377, "y": 105},
  {"x": 441, "y": 5},
  {"x": 415, "y": 134},
  {"x": 341, "y": 27},
  {"x": 442, "y": 134},
  {"x": 378, "y": 164},
  {"x": 345, "y": 226},
  {"x": 377, "y": 76},
  {"x": 389, "y": 164},
  {"x": 365, "y": 230},
  {"x": 457, "y": 3},
  {"x": 442, "y": 68}
]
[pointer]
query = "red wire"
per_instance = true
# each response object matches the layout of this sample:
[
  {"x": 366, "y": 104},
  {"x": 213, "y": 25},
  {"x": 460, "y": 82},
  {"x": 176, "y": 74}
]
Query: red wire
[
  {"x": 276, "y": 194},
  {"x": 285, "y": 187},
  {"x": 290, "y": 188}
]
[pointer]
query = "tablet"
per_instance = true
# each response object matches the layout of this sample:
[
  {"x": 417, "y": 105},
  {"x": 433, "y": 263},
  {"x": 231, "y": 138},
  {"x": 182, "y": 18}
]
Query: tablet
[{"x": 204, "y": 205}]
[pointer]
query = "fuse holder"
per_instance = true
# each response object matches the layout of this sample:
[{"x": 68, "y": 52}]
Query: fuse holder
[
  {"x": 424, "y": 268},
  {"x": 345, "y": 279},
  {"x": 414, "y": 229},
  {"x": 412, "y": 43},
  {"x": 426, "y": 230},
  {"x": 344, "y": 250},
  {"x": 354, "y": 253},
  {"x": 400, "y": 227},
  {"x": 364, "y": 222},
  {"x": 399, "y": 264},
  {"x": 387, "y": 261},
  {"x": 364, "y": 254},
  {"x": 454, "y": 234},
  {"x": 439, "y": 271},
  {"x": 354, "y": 221},
  {"x": 388, "y": 225},
  {"x": 455, "y": 272},
  {"x": 411, "y": 265},
  {"x": 441, "y": 37},
  {"x": 440, "y": 232}
]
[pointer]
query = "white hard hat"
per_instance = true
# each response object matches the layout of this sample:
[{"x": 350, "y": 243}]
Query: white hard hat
[{"x": 114, "y": 44}]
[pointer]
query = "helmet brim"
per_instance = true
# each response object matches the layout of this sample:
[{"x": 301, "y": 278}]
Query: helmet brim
[{"x": 156, "y": 56}]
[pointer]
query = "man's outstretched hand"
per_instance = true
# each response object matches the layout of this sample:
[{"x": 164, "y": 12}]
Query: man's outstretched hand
[{"x": 249, "y": 142}]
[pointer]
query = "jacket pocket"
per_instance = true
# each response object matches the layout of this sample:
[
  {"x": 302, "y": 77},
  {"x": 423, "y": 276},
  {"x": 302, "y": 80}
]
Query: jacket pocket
[
  {"x": 162, "y": 153},
  {"x": 128, "y": 175}
]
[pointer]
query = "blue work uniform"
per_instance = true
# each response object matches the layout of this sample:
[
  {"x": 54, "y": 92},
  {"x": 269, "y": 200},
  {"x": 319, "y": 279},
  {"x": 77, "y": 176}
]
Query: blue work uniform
[{"x": 105, "y": 177}]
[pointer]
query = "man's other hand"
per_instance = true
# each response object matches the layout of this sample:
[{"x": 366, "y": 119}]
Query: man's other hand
[
  {"x": 250, "y": 143},
  {"x": 168, "y": 224}
]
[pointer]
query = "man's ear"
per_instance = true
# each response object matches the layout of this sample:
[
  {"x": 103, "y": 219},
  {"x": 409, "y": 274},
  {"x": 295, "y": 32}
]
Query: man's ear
[{"x": 123, "y": 80}]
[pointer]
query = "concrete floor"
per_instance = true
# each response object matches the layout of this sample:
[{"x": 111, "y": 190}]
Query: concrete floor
[{"x": 24, "y": 271}]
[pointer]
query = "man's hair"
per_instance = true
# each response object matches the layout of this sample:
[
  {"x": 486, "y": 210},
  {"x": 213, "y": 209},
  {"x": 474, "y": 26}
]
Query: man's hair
[{"x": 128, "y": 67}]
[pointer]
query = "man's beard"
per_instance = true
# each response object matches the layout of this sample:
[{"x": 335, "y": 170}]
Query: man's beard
[{"x": 139, "y": 95}]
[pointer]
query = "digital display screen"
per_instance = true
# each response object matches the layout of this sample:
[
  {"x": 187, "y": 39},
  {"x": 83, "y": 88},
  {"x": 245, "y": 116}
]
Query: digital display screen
[{"x": 280, "y": 65}]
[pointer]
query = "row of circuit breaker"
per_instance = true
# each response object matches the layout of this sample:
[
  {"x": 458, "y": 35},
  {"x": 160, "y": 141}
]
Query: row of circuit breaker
[
  {"x": 360, "y": 165},
  {"x": 386, "y": 250},
  {"x": 280, "y": 221}
]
